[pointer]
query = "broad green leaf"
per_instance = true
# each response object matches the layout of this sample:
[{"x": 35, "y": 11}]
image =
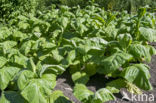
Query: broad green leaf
[
  {"x": 71, "y": 56},
  {"x": 90, "y": 68},
  {"x": 58, "y": 97},
  {"x": 64, "y": 21},
  {"x": 26, "y": 47},
  {"x": 80, "y": 77},
  {"x": 19, "y": 59},
  {"x": 56, "y": 69},
  {"x": 6, "y": 75},
  {"x": 3, "y": 61},
  {"x": 113, "y": 89},
  {"x": 56, "y": 55},
  {"x": 37, "y": 90},
  {"x": 81, "y": 92},
  {"x": 48, "y": 45},
  {"x": 75, "y": 67},
  {"x": 148, "y": 34},
  {"x": 24, "y": 78},
  {"x": 6, "y": 45},
  {"x": 103, "y": 95},
  {"x": 139, "y": 75},
  {"x": 151, "y": 49},
  {"x": 12, "y": 52},
  {"x": 99, "y": 40},
  {"x": 91, "y": 44},
  {"x": 115, "y": 86},
  {"x": 118, "y": 84},
  {"x": 125, "y": 40},
  {"x": 51, "y": 78},
  {"x": 140, "y": 51},
  {"x": 113, "y": 62},
  {"x": 110, "y": 32},
  {"x": 23, "y": 25},
  {"x": 56, "y": 33},
  {"x": 19, "y": 35},
  {"x": 37, "y": 31},
  {"x": 4, "y": 32},
  {"x": 12, "y": 97}
]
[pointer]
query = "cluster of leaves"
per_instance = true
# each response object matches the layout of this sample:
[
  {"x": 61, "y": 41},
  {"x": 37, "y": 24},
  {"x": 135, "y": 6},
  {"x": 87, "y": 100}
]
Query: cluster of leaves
[
  {"x": 12, "y": 8},
  {"x": 36, "y": 49},
  {"x": 130, "y": 5}
]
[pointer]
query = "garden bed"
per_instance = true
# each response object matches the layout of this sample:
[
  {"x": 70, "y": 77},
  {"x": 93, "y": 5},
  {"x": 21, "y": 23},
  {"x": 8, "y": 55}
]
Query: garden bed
[{"x": 65, "y": 84}]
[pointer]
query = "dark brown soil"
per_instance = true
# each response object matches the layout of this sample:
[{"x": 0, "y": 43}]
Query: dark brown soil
[{"x": 65, "y": 84}]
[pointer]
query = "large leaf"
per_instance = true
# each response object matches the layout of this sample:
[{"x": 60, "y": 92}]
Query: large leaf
[
  {"x": 75, "y": 67},
  {"x": 140, "y": 51},
  {"x": 48, "y": 45},
  {"x": 125, "y": 40},
  {"x": 90, "y": 68},
  {"x": 80, "y": 77},
  {"x": 118, "y": 84},
  {"x": 81, "y": 92},
  {"x": 26, "y": 47},
  {"x": 86, "y": 96},
  {"x": 91, "y": 44},
  {"x": 139, "y": 75},
  {"x": 103, "y": 95},
  {"x": 3, "y": 61},
  {"x": 6, "y": 75},
  {"x": 71, "y": 56},
  {"x": 18, "y": 35},
  {"x": 12, "y": 97},
  {"x": 23, "y": 25},
  {"x": 113, "y": 62},
  {"x": 6, "y": 45},
  {"x": 99, "y": 41},
  {"x": 58, "y": 97},
  {"x": 148, "y": 34},
  {"x": 110, "y": 32},
  {"x": 37, "y": 90},
  {"x": 24, "y": 78},
  {"x": 115, "y": 86},
  {"x": 56, "y": 69},
  {"x": 56, "y": 55},
  {"x": 19, "y": 59},
  {"x": 4, "y": 32}
]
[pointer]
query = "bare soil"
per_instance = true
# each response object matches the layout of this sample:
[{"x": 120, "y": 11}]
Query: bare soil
[{"x": 65, "y": 84}]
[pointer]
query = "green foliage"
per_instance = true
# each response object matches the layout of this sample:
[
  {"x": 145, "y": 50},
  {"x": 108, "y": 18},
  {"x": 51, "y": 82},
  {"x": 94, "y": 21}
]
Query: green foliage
[
  {"x": 86, "y": 96},
  {"x": 129, "y": 5},
  {"x": 36, "y": 48},
  {"x": 139, "y": 75},
  {"x": 80, "y": 77},
  {"x": 58, "y": 97},
  {"x": 15, "y": 7}
]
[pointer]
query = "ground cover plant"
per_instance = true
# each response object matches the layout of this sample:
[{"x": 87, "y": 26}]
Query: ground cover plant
[{"x": 35, "y": 49}]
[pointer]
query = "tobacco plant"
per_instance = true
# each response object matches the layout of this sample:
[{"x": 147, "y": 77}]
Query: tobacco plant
[{"x": 36, "y": 49}]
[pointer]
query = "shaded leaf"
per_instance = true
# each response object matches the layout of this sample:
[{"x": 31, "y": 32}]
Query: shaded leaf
[
  {"x": 113, "y": 62},
  {"x": 58, "y": 97},
  {"x": 6, "y": 75},
  {"x": 12, "y": 97},
  {"x": 80, "y": 77},
  {"x": 139, "y": 75}
]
